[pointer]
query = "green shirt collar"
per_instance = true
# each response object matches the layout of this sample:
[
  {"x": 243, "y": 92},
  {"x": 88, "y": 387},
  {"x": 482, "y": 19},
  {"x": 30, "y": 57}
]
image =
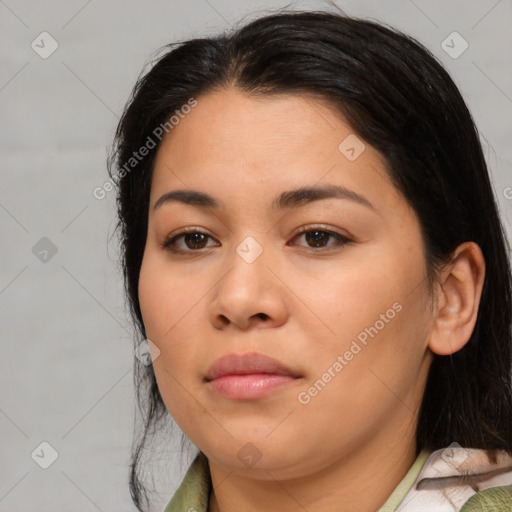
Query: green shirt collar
[{"x": 194, "y": 492}]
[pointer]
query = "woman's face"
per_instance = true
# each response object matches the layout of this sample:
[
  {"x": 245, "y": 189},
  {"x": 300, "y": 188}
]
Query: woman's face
[{"x": 343, "y": 306}]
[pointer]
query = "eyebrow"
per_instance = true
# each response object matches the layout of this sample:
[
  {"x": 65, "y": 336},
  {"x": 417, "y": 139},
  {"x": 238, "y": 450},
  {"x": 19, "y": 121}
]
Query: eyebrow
[{"x": 290, "y": 199}]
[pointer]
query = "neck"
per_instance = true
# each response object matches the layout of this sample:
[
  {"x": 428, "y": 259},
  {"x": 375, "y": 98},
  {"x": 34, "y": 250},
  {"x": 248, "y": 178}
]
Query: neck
[{"x": 361, "y": 480}]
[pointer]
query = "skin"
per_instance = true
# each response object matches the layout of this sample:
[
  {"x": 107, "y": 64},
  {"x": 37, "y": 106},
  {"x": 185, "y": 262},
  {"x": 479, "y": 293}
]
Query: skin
[{"x": 354, "y": 440}]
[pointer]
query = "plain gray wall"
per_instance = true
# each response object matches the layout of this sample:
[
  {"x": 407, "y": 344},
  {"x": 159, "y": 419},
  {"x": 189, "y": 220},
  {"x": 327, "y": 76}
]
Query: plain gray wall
[{"x": 66, "y": 349}]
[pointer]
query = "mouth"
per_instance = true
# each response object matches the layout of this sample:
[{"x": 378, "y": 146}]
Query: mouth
[{"x": 248, "y": 376}]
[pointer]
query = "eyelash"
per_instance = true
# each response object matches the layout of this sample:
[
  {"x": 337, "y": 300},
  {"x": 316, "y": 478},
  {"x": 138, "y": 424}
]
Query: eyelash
[{"x": 169, "y": 242}]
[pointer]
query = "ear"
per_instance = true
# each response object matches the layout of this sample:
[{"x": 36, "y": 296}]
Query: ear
[{"x": 459, "y": 290}]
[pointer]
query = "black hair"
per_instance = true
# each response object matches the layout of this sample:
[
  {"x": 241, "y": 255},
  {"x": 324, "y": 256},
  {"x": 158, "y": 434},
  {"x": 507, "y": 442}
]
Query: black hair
[{"x": 398, "y": 98}]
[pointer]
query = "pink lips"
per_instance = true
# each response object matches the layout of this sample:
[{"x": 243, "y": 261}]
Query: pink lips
[{"x": 248, "y": 376}]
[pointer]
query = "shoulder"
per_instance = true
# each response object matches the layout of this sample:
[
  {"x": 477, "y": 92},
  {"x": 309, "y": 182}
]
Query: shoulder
[
  {"x": 194, "y": 491},
  {"x": 494, "y": 499},
  {"x": 462, "y": 479}
]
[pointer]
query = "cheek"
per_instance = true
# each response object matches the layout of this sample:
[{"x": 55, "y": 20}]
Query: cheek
[
  {"x": 353, "y": 299},
  {"x": 154, "y": 283},
  {"x": 161, "y": 308},
  {"x": 379, "y": 322},
  {"x": 170, "y": 312},
  {"x": 165, "y": 299},
  {"x": 361, "y": 379}
]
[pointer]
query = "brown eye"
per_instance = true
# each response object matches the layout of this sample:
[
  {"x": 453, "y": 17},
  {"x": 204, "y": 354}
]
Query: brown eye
[
  {"x": 319, "y": 238},
  {"x": 195, "y": 240},
  {"x": 186, "y": 242}
]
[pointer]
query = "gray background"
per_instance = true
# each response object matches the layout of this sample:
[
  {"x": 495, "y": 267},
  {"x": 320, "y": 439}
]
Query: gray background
[{"x": 66, "y": 353}]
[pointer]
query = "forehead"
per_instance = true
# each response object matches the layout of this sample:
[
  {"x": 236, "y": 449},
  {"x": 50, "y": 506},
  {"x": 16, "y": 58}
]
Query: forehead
[
  {"x": 232, "y": 143},
  {"x": 230, "y": 126}
]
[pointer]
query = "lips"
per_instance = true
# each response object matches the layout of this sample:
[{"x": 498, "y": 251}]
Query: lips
[
  {"x": 248, "y": 376},
  {"x": 247, "y": 364}
]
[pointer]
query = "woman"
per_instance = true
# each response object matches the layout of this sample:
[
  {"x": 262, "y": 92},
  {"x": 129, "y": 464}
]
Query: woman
[{"x": 313, "y": 254}]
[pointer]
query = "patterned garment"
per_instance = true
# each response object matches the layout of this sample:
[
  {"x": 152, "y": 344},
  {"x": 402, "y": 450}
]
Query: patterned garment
[
  {"x": 447, "y": 480},
  {"x": 461, "y": 479}
]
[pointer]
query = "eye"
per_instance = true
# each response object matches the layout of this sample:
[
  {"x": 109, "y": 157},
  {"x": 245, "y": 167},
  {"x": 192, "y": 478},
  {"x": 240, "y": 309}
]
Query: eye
[
  {"x": 318, "y": 238},
  {"x": 193, "y": 240}
]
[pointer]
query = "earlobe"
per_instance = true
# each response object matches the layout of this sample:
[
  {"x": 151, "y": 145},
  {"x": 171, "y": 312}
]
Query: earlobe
[{"x": 460, "y": 288}]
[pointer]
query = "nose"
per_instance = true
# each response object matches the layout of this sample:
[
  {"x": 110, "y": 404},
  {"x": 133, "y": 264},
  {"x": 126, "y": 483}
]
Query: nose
[{"x": 249, "y": 294}]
